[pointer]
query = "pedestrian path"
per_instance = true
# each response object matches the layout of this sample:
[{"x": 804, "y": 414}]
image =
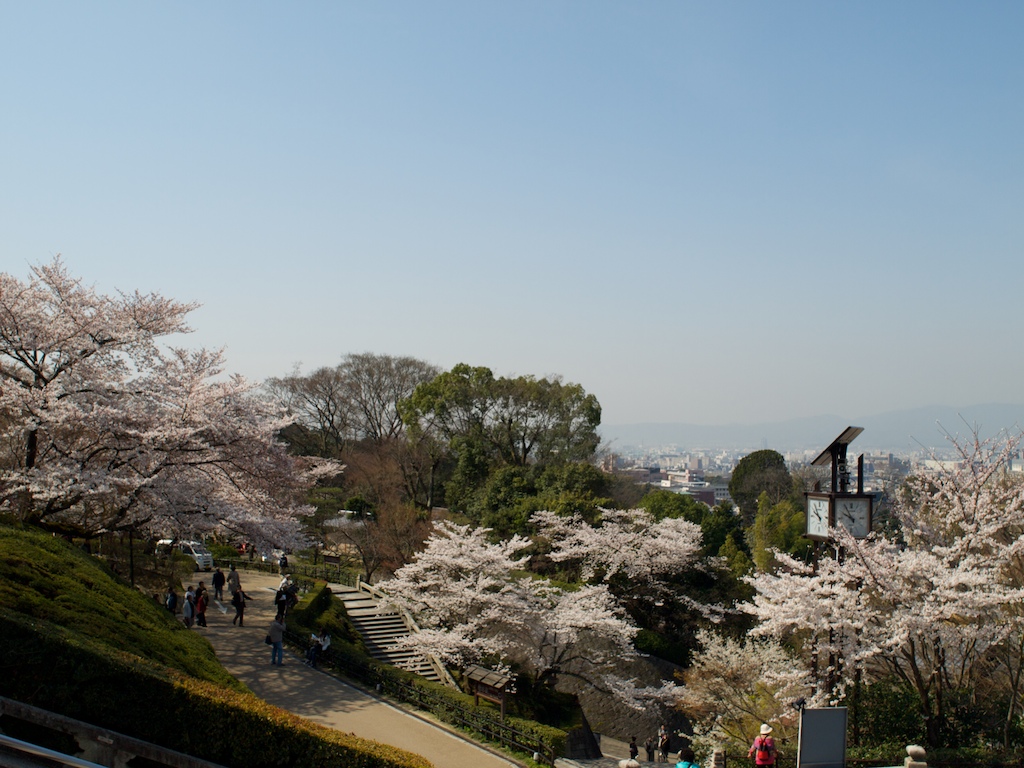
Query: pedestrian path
[
  {"x": 338, "y": 704},
  {"x": 323, "y": 698}
]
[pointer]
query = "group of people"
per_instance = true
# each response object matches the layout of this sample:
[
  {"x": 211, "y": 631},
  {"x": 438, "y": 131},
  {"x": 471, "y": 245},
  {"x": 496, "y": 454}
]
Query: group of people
[
  {"x": 197, "y": 599},
  {"x": 657, "y": 747},
  {"x": 763, "y": 750},
  {"x": 285, "y": 598},
  {"x": 318, "y": 643},
  {"x": 287, "y": 595},
  {"x": 193, "y": 604}
]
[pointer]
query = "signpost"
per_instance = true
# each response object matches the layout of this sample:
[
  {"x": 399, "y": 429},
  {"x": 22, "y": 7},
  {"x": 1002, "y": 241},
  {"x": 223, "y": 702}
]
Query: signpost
[
  {"x": 488, "y": 685},
  {"x": 822, "y": 742}
]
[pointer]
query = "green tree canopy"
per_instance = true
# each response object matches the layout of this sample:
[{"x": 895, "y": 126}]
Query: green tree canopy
[
  {"x": 716, "y": 523},
  {"x": 760, "y": 472},
  {"x": 488, "y": 422},
  {"x": 511, "y": 494},
  {"x": 777, "y": 527},
  {"x": 661, "y": 504}
]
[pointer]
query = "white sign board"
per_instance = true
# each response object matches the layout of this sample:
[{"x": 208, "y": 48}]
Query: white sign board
[{"x": 822, "y": 738}]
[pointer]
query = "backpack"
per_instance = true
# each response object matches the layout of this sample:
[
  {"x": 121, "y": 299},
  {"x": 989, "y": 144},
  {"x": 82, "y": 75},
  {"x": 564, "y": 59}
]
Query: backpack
[{"x": 764, "y": 749}]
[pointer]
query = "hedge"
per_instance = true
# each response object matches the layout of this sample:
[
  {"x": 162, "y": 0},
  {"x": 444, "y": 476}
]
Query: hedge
[{"x": 55, "y": 669}]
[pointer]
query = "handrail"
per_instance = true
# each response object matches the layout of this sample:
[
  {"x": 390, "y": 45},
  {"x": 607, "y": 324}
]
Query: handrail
[
  {"x": 49, "y": 754},
  {"x": 412, "y": 626},
  {"x": 98, "y": 742}
]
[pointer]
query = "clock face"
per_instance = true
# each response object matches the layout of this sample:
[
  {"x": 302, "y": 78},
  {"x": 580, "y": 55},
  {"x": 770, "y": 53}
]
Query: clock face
[
  {"x": 817, "y": 517},
  {"x": 854, "y": 515}
]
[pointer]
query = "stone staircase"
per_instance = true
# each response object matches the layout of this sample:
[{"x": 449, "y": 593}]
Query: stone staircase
[{"x": 381, "y": 628}]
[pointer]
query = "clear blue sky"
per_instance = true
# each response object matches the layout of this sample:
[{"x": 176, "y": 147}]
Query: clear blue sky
[{"x": 711, "y": 212}]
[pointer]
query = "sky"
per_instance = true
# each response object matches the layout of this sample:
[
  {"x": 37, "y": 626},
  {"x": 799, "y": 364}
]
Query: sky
[{"x": 716, "y": 213}]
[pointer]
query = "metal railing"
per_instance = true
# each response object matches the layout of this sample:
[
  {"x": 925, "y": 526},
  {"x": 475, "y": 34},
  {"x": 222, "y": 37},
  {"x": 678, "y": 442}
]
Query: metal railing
[
  {"x": 331, "y": 572},
  {"x": 49, "y": 755},
  {"x": 100, "y": 746},
  {"x": 785, "y": 761}
]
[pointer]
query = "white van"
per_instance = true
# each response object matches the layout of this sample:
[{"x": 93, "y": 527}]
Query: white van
[
  {"x": 198, "y": 552},
  {"x": 194, "y": 549}
]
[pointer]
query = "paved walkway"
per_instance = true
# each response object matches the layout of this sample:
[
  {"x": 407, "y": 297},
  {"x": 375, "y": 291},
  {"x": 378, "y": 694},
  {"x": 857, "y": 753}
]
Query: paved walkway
[{"x": 323, "y": 698}]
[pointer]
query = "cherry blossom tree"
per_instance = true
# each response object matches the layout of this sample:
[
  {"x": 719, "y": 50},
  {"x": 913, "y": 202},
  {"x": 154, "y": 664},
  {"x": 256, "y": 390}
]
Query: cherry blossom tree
[
  {"x": 935, "y": 607},
  {"x": 103, "y": 429},
  {"x": 734, "y": 685},
  {"x": 655, "y": 568},
  {"x": 476, "y": 604},
  {"x": 632, "y": 544}
]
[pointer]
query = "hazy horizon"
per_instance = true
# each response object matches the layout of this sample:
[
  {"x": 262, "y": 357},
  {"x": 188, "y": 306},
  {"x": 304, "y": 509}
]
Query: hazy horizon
[{"x": 911, "y": 431}]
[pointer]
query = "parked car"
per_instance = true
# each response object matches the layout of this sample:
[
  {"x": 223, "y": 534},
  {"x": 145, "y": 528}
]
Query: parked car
[{"x": 202, "y": 557}]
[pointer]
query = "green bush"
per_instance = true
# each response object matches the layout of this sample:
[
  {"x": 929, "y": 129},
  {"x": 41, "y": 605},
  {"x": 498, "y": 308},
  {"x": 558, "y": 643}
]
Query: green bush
[
  {"x": 318, "y": 609},
  {"x": 889, "y": 712}
]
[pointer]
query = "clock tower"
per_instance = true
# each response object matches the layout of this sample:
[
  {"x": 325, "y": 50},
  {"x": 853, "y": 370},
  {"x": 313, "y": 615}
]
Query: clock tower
[{"x": 840, "y": 506}]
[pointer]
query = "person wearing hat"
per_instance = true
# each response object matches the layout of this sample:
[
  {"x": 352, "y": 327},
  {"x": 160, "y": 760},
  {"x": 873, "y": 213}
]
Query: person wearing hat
[{"x": 763, "y": 749}]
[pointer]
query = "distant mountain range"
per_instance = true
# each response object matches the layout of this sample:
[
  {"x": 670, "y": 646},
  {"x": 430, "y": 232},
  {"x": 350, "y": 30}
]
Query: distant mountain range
[{"x": 908, "y": 431}]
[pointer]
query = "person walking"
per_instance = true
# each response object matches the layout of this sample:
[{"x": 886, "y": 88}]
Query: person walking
[
  {"x": 634, "y": 750},
  {"x": 649, "y": 748},
  {"x": 238, "y": 601},
  {"x": 276, "y": 636},
  {"x": 233, "y": 582},
  {"x": 763, "y": 750},
  {"x": 218, "y": 585},
  {"x": 663, "y": 743}
]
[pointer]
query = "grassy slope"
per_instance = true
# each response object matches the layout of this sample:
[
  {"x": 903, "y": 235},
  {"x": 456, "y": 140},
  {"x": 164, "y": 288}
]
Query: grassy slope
[
  {"x": 53, "y": 583},
  {"x": 50, "y": 589}
]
